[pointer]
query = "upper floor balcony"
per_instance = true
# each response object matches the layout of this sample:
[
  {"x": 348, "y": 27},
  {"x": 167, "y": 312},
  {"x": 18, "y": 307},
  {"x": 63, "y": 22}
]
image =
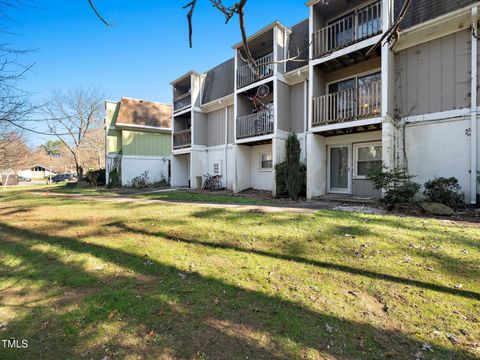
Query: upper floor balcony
[
  {"x": 182, "y": 139},
  {"x": 182, "y": 93},
  {"x": 246, "y": 75},
  {"x": 341, "y": 31},
  {"x": 182, "y": 102},
  {"x": 362, "y": 100},
  {"x": 257, "y": 124}
]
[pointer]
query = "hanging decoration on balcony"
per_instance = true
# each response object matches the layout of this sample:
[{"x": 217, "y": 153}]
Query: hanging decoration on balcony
[{"x": 262, "y": 92}]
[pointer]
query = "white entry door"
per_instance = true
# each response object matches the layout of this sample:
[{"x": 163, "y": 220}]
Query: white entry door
[{"x": 339, "y": 168}]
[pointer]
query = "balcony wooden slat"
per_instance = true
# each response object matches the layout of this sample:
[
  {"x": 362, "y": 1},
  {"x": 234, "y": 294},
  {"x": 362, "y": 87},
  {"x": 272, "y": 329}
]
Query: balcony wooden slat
[
  {"x": 182, "y": 139},
  {"x": 253, "y": 125},
  {"x": 365, "y": 23},
  {"x": 182, "y": 102},
  {"x": 347, "y": 105},
  {"x": 246, "y": 76}
]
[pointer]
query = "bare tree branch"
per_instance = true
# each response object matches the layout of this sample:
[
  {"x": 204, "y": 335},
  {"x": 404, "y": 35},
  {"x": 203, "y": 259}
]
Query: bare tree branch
[
  {"x": 78, "y": 113},
  {"x": 98, "y": 14},
  {"x": 392, "y": 32}
]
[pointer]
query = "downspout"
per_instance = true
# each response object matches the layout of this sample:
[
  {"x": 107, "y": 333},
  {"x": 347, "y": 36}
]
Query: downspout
[
  {"x": 226, "y": 144},
  {"x": 473, "y": 115}
]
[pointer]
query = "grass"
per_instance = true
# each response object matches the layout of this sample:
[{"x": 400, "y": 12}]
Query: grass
[
  {"x": 187, "y": 196},
  {"x": 93, "y": 279}
]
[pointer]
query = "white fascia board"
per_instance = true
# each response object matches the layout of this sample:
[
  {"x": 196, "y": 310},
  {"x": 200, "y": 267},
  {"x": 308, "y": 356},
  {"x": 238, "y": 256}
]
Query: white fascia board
[
  {"x": 256, "y": 84},
  {"x": 442, "y": 115},
  {"x": 181, "y": 151},
  {"x": 146, "y": 157},
  {"x": 186, "y": 110},
  {"x": 312, "y": 2},
  {"x": 295, "y": 76},
  {"x": 184, "y": 76},
  {"x": 348, "y": 124},
  {"x": 263, "y": 30},
  {"x": 120, "y": 126},
  {"x": 218, "y": 103},
  {"x": 435, "y": 28},
  {"x": 254, "y": 139},
  {"x": 347, "y": 50}
]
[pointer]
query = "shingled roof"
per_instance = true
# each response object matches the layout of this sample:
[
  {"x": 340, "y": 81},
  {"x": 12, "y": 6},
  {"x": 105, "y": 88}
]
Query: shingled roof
[
  {"x": 219, "y": 82},
  {"x": 420, "y": 11},
  {"x": 298, "y": 42},
  {"x": 144, "y": 113}
]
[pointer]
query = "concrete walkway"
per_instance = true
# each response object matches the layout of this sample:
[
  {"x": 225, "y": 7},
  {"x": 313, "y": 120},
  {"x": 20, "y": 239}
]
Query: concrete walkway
[{"x": 298, "y": 207}]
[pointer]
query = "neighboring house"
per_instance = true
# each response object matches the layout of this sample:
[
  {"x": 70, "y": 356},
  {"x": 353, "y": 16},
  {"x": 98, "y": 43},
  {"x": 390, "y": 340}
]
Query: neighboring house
[
  {"x": 37, "y": 172},
  {"x": 138, "y": 134},
  {"x": 414, "y": 104}
]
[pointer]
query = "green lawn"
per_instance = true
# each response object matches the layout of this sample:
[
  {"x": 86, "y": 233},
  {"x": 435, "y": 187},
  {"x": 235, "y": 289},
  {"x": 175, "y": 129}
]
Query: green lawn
[
  {"x": 85, "y": 279},
  {"x": 181, "y": 195}
]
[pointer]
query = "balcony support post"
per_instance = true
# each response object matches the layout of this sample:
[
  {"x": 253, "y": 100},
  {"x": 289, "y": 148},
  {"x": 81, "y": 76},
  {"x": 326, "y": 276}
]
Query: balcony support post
[
  {"x": 316, "y": 166},
  {"x": 474, "y": 115},
  {"x": 389, "y": 129}
]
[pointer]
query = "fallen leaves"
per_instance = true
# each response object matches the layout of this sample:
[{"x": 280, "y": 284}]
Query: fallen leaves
[{"x": 452, "y": 338}]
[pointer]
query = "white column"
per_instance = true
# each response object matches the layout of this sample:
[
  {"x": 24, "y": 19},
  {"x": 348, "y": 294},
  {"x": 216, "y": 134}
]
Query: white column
[
  {"x": 316, "y": 166},
  {"x": 388, "y": 83},
  {"x": 473, "y": 118},
  {"x": 278, "y": 155}
]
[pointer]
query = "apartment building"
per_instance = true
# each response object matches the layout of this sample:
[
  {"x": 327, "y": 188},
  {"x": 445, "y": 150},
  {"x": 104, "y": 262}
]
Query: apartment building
[
  {"x": 412, "y": 104},
  {"x": 138, "y": 137},
  {"x": 233, "y": 120}
]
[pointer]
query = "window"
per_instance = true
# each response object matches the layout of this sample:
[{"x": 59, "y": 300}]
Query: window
[
  {"x": 367, "y": 157},
  {"x": 266, "y": 162},
  {"x": 216, "y": 168}
]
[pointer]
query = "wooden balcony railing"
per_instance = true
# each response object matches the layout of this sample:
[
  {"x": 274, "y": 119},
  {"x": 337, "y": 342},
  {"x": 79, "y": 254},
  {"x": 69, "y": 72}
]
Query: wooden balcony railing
[
  {"x": 257, "y": 124},
  {"x": 361, "y": 24},
  {"x": 347, "y": 105},
  {"x": 182, "y": 102},
  {"x": 182, "y": 139},
  {"x": 246, "y": 76}
]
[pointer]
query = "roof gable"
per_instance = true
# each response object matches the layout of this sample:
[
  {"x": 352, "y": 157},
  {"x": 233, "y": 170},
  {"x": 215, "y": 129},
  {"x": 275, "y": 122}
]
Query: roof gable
[{"x": 135, "y": 112}]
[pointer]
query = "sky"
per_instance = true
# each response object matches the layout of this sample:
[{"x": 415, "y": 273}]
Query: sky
[{"x": 145, "y": 49}]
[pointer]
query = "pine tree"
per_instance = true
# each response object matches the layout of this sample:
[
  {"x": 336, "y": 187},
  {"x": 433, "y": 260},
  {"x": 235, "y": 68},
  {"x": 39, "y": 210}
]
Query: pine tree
[{"x": 293, "y": 177}]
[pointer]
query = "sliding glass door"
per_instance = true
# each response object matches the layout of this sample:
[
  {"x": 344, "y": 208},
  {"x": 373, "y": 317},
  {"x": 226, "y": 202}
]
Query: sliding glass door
[{"x": 339, "y": 169}]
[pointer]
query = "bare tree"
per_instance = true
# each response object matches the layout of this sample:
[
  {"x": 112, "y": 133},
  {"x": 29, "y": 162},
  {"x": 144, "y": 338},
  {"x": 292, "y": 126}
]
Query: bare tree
[
  {"x": 13, "y": 153},
  {"x": 73, "y": 115},
  {"x": 16, "y": 110},
  {"x": 92, "y": 150}
]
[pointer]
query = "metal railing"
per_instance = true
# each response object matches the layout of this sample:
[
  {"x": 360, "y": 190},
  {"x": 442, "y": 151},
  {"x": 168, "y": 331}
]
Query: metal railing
[
  {"x": 182, "y": 102},
  {"x": 347, "y": 105},
  {"x": 246, "y": 76},
  {"x": 257, "y": 124},
  {"x": 182, "y": 139},
  {"x": 361, "y": 24}
]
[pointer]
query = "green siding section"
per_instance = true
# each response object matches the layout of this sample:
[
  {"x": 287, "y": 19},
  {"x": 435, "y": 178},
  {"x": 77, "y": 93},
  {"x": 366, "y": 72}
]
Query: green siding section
[
  {"x": 112, "y": 114},
  {"x": 114, "y": 141},
  {"x": 146, "y": 143}
]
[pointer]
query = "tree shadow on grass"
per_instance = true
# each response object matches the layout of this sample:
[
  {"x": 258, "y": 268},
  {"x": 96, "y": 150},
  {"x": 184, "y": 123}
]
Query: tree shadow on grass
[
  {"x": 179, "y": 314},
  {"x": 302, "y": 260}
]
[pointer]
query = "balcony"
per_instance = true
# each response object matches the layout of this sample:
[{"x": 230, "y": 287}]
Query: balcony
[
  {"x": 182, "y": 139},
  {"x": 348, "y": 105},
  {"x": 182, "y": 102},
  {"x": 257, "y": 124},
  {"x": 246, "y": 76},
  {"x": 358, "y": 25}
]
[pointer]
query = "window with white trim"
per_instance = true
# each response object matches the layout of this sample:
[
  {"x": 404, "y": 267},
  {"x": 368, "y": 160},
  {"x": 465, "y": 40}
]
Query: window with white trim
[
  {"x": 367, "y": 157},
  {"x": 216, "y": 168},
  {"x": 266, "y": 162}
]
